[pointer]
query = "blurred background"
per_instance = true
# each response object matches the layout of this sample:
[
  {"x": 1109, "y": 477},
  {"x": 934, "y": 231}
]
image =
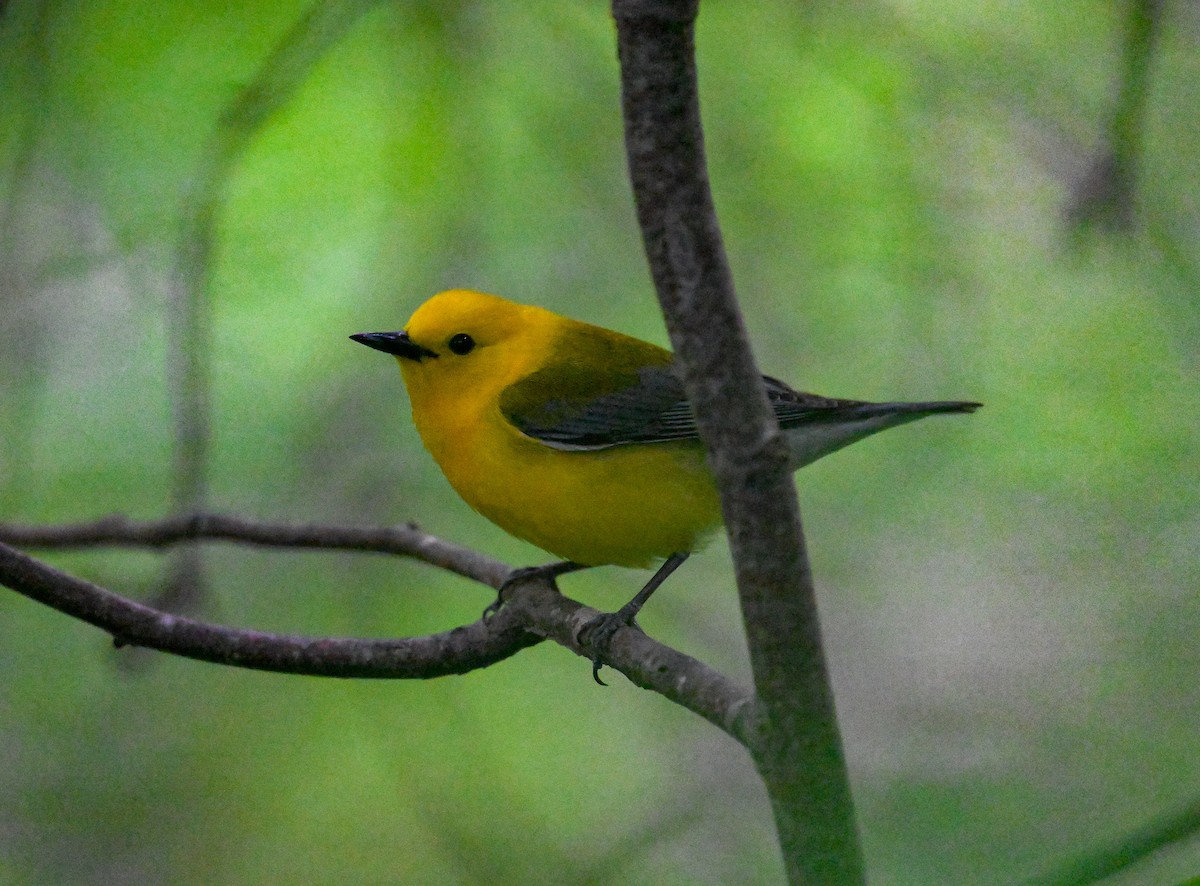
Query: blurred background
[{"x": 1010, "y": 599}]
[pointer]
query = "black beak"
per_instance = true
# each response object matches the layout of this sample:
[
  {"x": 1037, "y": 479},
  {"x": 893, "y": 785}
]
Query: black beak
[{"x": 396, "y": 343}]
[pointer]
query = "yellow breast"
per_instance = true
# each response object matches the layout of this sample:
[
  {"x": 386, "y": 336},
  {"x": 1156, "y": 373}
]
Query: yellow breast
[{"x": 626, "y": 505}]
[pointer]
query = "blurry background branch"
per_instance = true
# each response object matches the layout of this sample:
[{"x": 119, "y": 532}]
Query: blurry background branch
[
  {"x": 27, "y": 343},
  {"x": 1106, "y": 194},
  {"x": 1128, "y": 850},
  {"x": 189, "y": 324}
]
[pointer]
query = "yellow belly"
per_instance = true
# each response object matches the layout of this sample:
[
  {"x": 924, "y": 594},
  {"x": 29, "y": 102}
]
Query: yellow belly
[{"x": 627, "y": 505}]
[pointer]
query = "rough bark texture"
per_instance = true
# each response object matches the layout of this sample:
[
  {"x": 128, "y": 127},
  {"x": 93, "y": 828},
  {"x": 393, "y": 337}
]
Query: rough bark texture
[
  {"x": 534, "y": 610},
  {"x": 798, "y": 748}
]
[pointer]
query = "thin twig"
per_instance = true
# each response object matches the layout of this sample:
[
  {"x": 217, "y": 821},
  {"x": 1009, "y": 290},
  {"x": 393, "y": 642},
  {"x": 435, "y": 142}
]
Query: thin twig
[
  {"x": 799, "y": 750},
  {"x": 406, "y": 540}
]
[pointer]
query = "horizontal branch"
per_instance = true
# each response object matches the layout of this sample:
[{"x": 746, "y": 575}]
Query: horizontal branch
[
  {"x": 405, "y": 540},
  {"x": 450, "y": 652},
  {"x": 534, "y": 610}
]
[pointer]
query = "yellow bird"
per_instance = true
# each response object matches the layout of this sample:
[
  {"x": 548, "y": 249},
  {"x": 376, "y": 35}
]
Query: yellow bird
[{"x": 580, "y": 439}]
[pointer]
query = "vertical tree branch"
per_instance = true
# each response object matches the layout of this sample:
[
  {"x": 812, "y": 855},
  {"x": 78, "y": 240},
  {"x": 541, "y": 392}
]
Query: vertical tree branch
[{"x": 798, "y": 748}]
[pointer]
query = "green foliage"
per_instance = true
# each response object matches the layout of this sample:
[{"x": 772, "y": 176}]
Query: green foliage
[{"x": 1010, "y": 598}]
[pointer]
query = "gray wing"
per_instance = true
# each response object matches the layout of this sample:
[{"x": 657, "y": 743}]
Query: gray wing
[
  {"x": 642, "y": 406},
  {"x": 649, "y": 406}
]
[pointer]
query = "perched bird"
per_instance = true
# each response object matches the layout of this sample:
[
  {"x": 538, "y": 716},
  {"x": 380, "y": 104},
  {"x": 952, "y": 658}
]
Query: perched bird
[{"x": 580, "y": 439}]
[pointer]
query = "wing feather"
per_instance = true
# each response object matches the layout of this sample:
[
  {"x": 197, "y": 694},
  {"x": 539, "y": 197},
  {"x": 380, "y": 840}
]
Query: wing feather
[{"x": 592, "y": 411}]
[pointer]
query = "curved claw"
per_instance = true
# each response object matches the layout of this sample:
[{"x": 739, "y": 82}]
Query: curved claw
[
  {"x": 512, "y": 578},
  {"x": 604, "y": 626},
  {"x": 493, "y": 607},
  {"x": 599, "y": 633},
  {"x": 549, "y": 571}
]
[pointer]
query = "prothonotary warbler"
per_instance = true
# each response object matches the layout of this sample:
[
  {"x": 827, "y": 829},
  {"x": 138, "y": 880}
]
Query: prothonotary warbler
[{"x": 580, "y": 439}]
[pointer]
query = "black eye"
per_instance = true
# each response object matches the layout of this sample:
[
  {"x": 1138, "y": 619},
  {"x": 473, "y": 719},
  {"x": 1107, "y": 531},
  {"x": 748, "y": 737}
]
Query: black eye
[{"x": 461, "y": 343}]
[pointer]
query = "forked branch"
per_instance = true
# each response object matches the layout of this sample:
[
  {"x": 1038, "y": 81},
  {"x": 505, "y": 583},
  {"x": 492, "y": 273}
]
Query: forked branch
[{"x": 534, "y": 610}]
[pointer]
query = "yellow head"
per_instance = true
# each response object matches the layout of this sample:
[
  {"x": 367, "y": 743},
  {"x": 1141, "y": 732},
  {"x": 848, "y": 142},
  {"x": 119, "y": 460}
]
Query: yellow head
[
  {"x": 459, "y": 323},
  {"x": 460, "y": 348}
]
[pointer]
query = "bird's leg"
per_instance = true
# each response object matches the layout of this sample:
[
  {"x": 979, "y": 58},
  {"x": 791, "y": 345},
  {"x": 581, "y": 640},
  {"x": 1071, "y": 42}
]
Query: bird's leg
[
  {"x": 600, "y": 630},
  {"x": 549, "y": 571}
]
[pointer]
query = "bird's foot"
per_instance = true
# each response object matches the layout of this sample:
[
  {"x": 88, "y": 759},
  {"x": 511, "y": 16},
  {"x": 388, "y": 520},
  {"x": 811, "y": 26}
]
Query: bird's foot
[
  {"x": 548, "y": 571},
  {"x": 597, "y": 634}
]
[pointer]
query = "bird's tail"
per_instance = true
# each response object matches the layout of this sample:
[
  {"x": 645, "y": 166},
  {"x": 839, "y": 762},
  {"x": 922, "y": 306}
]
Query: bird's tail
[{"x": 822, "y": 431}]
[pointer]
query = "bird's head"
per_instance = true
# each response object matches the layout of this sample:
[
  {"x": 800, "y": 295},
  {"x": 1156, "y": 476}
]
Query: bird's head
[{"x": 462, "y": 341}]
